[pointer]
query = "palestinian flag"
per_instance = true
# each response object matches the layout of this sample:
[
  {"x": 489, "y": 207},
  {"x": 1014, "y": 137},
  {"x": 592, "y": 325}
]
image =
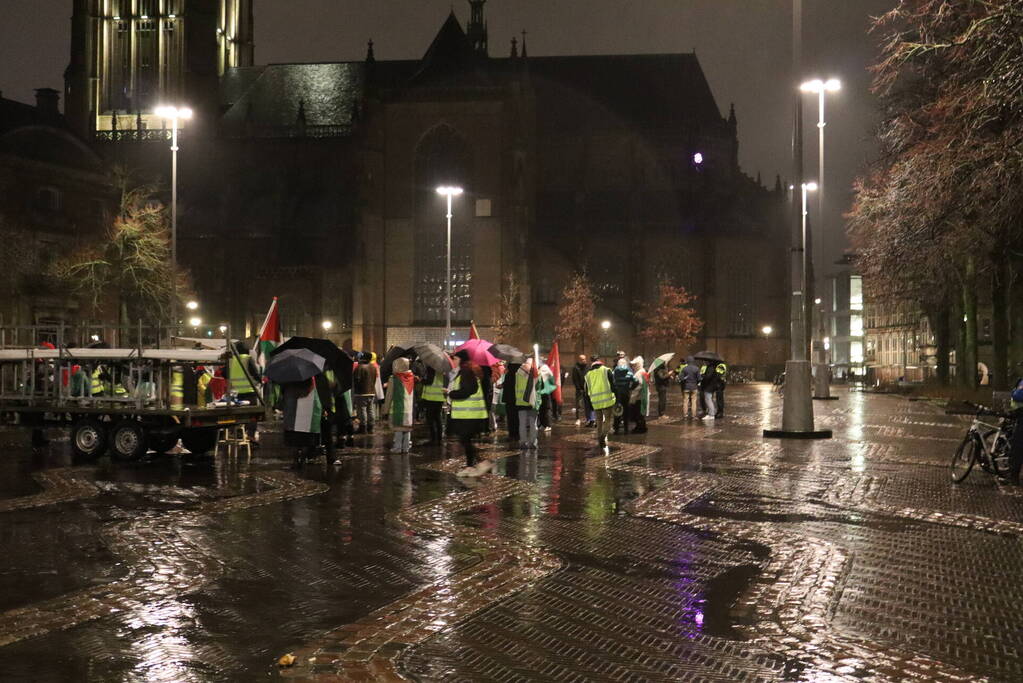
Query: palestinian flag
[
  {"x": 269, "y": 337},
  {"x": 307, "y": 412},
  {"x": 554, "y": 363},
  {"x": 473, "y": 332},
  {"x": 402, "y": 399}
]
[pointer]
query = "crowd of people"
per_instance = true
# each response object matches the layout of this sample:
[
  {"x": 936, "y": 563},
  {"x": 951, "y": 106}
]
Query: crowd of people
[{"x": 473, "y": 400}]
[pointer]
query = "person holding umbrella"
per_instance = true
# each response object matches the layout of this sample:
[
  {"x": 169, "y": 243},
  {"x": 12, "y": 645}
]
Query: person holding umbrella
[
  {"x": 662, "y": 380},
  {"x": 468, "y": 413},
  {"x": 435, "y": 381}
]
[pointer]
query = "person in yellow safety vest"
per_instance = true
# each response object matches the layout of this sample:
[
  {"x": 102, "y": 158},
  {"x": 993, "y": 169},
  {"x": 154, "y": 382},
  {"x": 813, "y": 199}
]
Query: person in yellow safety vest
[
  {"x": 528, "y": 400},
  {"x": 599, "y": 389},
  {"x": 98, "y": 387},
  {"x": 719, "y": 395},
  {"x": 240, "y": 386},
  {"x": 238, "y": 364},
  {"x": 469, "y": 413},
  {"x": 433, "y": 403}
]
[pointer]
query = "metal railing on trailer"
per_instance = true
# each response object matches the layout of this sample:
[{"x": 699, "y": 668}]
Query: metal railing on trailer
[{"x": 43, "y": 381}]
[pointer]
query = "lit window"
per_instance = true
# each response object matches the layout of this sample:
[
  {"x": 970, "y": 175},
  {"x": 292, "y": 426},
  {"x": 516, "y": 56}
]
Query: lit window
[
  {"x": 855, "y": 325},
  {"x": 855, "y": 293},
  {"x": 855, "y": 352}
]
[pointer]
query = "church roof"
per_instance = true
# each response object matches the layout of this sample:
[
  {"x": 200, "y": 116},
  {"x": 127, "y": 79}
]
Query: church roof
[
  {"x": 267, "y": 100},
  {"x": 659, "y": 90},
  {"x": 450, "y": 60}
]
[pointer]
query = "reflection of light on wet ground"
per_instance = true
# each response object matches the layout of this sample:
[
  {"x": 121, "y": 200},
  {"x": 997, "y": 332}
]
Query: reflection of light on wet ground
[
  {"x": 691, "y": 599},
  {"x": 164, "y": 652}
]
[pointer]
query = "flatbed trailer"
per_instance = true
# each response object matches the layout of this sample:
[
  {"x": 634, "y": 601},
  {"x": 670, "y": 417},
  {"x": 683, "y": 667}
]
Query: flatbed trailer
[{"x": 36, "y": 391}]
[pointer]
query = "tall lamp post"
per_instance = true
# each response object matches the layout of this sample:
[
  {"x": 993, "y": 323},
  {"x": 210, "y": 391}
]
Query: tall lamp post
[
  {"x": 174, "y": 115},
  {"x": 822, "y": 389},
  {"x": 797, "y": 410},
  {"x": 448, "y": 191}
]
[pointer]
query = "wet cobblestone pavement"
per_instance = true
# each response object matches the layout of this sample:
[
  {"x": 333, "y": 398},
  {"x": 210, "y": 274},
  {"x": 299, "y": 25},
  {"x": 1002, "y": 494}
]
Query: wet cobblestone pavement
[{"x": 698, "y": 551}]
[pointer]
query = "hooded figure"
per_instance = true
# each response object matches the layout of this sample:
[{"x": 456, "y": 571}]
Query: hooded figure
[
  {"x": 639, "y": 398},
  {"x": 399, "y": 404}
]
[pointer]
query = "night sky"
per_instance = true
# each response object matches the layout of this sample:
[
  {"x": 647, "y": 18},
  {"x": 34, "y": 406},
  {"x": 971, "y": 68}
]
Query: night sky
[{"x": 743, "y": 45}]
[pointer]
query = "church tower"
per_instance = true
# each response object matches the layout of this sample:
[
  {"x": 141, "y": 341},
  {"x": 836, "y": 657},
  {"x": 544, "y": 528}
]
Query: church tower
[
  {"x": 130, "y": 56},
  {"x": 476, "y": 30}
]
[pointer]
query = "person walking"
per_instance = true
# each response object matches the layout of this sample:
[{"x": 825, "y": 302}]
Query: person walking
[
  {"x": 639, "y": 397},
  {"x": 497, "y": 375},
  {"x": 583, "y": 409},
  {"x": 689, "y": 381},
  {"x": 399, "y": 403},
  {"x": 527, "y": 403},
  {"x": 624, "y": 383},
  {"x": 710, "y": 382},
  {"x": 469, "y": 413},
  {"x": 432, "y": 401},
  {"x": 365, "y": 381},
  {"x": 599, "y": 382},
  {"x": 662, "y": 380}
]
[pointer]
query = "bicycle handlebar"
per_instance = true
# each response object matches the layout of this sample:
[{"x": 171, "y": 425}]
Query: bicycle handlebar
[{"x": 984, "y": 410}]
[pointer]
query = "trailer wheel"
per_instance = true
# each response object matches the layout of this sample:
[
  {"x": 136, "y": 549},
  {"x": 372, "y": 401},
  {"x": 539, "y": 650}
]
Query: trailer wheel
[
  {"x": 128, "y": 440},
  {"x": 199, "y": 441},
  {"x": 88, "y": 437}
]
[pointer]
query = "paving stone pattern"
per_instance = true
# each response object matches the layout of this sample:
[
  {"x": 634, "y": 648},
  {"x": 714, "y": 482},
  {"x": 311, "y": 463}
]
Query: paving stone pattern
[{"x": 698, "y": 551}]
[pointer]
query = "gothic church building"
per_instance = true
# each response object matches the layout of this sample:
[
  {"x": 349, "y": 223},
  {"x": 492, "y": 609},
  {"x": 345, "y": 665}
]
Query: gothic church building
[{"x": 316, "y": 182}]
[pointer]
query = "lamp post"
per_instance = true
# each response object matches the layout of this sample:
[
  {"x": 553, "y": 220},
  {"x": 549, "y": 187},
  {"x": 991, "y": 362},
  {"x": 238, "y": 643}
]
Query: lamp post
[
  {"x": 822, "y": 389},
  {"x": 606, "y": 326},
  {"x": 448, "y": 191},
  {"x": 174, "y": 115}
]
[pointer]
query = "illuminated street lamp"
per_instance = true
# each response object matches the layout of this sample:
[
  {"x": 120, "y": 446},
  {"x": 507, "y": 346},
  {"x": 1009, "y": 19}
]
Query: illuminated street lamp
[
  {"x": 820, "y": 88},
  {"x": 195, "y": 322},
  {"x": 192, "y": 305},
  {"x": 448, "y": 191},
  {"x": 767, "y": 330},
  {"x": 606, "y": 325},
  {"x": 326, "y": 325},
  {"x": 174, "y": 115}
]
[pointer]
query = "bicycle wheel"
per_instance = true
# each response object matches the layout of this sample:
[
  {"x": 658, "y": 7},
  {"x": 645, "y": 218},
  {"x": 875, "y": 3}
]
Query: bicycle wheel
[{"x": 964, "y": 458}]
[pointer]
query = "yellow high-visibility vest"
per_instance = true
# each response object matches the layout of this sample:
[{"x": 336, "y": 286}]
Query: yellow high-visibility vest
[
  {"x": 599, "y": 389},
  {"x": 236, "y": 374},
  {"x": 434, "y": 391},
  {"x": 472, "y": 408},
  {"x": 177, "y": 388},
  {"x": 97, "y": 386}
]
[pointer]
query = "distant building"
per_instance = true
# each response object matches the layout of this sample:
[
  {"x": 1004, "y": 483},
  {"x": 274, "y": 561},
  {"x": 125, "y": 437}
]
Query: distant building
[
  {"x": 56, "y": 195},
  {"x": 316, "y": 182}
]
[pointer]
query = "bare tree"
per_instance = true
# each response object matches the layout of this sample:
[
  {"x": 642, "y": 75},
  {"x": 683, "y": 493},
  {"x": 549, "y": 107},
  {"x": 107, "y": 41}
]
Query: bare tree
[{"x": 577, "y": 315}]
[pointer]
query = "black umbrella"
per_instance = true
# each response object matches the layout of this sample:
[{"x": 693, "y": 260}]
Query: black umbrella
[
  {"x": 508, "y": 353},
  {"x": 294, "y": 365},
  {"x": 709, "y": 356},
  {"x": 336, "y": 359},
  {"x": 393, "y": 354},
  {"x": 433, "y": 356}
]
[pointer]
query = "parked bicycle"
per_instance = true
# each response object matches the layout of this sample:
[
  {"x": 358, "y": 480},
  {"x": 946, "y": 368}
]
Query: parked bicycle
[{"x": 984, "y": 443}]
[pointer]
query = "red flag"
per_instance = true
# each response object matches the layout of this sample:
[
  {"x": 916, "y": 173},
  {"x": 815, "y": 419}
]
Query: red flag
[
  {"x": 554, "y": 363},
  {"x": 473, "y": 333},
  {"x": 269, "y": 337}
]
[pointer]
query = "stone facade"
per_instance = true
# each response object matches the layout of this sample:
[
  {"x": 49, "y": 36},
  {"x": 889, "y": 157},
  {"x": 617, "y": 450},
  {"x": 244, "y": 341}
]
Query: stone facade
[{"x": 619, "y": 165}]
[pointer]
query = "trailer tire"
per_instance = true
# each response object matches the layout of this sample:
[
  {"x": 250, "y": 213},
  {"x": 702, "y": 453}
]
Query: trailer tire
[
  {"x": 199, "y": 441},
  {"x": 128, "y": 440},
  {"x": 88, "y": 437}
]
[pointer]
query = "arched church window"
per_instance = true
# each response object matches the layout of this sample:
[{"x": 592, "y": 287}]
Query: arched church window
[{"x": 442, "y": 158}]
